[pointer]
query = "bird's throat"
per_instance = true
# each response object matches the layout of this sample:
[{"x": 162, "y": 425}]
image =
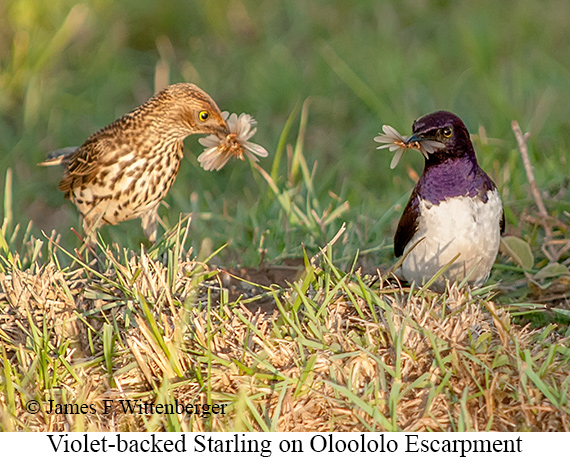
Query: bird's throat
[{"x": 451, "y": 178}]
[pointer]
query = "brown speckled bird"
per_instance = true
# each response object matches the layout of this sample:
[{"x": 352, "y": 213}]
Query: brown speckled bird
[{"x": 124, "y": 170}]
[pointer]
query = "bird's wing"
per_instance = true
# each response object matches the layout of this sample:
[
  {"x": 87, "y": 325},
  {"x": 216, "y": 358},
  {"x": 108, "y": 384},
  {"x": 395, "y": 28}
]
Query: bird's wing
[
  {"x": 83, "y": 164},
  {"x": 408, "y": 225},
  {"x": 489, "y": 184}
]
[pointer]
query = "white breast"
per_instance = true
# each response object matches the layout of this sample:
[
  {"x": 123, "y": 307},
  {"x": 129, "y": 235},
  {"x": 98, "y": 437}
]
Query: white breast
[{"x": 460, "y": 225}]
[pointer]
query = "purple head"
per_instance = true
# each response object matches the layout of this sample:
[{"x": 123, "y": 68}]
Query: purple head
[
  {"x": 448, "y": 129},
  {"x": 451, "y": 170}
]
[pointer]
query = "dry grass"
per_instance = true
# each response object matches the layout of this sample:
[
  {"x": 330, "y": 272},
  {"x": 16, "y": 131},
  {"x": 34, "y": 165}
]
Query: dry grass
[
  {"x": 340, "y": 352},
  {"x": 304, "y": 347}
]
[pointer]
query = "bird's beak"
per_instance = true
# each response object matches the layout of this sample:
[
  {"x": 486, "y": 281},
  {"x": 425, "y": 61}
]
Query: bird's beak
[
  {"x": 223, "y": 130},
  {"x": 414, "y": 138}
]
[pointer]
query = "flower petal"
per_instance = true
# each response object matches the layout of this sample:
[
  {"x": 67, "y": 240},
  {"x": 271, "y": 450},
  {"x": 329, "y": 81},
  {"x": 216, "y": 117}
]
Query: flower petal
[
  {"x": 256, "y": 149},
  {"x": 212, "y": 159},
  {"x": 429, "y": 146},
  {"x": 391, "y": 131},
  {"x": 384, "y": 146},
  {"x": 396, "y": 158},
  {"x": 210, "y": 141},
  {"x": 251, "y": 156}
]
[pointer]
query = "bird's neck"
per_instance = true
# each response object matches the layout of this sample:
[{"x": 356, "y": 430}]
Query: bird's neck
[
  {"x": 451, "y": 178},
  {"x": 158, "y": 119}
]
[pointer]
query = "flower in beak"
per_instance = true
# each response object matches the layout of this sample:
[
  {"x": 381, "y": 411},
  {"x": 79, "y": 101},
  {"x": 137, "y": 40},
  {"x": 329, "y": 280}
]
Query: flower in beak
[
  {"x": 398, "y": 143},
  {"x": 220, "y": 149}
]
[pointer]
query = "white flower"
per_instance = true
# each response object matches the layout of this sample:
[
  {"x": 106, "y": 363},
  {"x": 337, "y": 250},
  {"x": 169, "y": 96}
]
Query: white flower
[
  {"x": 218, "y": 150},
  {"x": 398, "y": 143},
  {"x": 394, "y": 142}
]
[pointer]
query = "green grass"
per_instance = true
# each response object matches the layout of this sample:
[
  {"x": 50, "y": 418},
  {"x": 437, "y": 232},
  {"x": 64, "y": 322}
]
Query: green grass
[{"x": 321, "y": 78}]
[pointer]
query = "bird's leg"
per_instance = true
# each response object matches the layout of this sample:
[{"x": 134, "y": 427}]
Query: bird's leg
[
  {"x": 90, "y": 227},
  {"x": 92, "y": 221},
  {"x": 149, "y": 222}
]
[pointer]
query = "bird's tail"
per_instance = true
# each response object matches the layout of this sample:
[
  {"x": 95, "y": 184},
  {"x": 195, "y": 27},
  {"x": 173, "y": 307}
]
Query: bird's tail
[{"x": 57, "y": 157}]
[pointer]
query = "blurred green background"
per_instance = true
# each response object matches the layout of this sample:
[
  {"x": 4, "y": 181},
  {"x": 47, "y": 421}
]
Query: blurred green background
[{"x": 68, "y": 69}]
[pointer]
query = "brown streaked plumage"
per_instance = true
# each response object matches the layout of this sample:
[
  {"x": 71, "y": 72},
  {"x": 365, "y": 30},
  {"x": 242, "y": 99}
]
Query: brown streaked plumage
[{"x": 124, "y": 170}]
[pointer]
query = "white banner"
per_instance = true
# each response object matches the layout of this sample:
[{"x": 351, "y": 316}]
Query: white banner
[{"x": 289, "y": 444}]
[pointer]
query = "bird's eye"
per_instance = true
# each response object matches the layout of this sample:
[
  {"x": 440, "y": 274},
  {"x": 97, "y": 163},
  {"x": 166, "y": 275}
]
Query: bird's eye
[
  {"x": 204, "y": 115},
  {"x": 447, "y": 131}
]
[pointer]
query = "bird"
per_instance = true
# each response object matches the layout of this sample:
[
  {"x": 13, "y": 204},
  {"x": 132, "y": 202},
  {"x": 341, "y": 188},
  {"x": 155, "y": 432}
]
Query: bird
[
  {"x": 454, "y": 215},
  {"x": 125, "y": 170}
]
